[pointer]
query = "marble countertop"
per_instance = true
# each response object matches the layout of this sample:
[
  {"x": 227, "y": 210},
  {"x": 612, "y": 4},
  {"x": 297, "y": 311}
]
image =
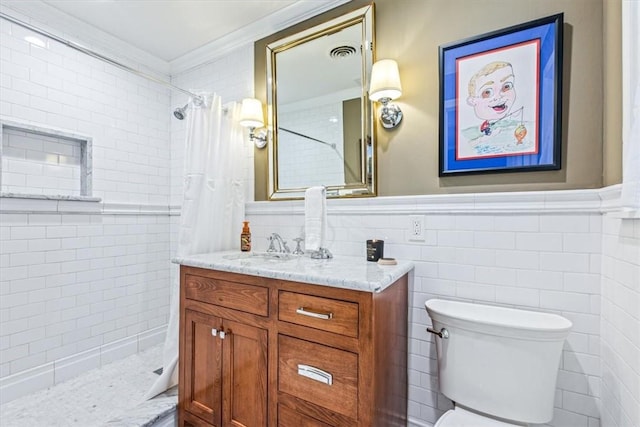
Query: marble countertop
[{"x": 340, "y": 272}]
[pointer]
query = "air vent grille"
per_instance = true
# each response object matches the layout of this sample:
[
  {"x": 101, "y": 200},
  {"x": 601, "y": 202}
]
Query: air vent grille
[{"x": 342, "y": 52}]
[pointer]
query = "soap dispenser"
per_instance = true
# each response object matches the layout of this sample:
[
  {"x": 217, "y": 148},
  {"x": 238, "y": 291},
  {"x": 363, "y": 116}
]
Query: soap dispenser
[{"x": 245, "y": 237}]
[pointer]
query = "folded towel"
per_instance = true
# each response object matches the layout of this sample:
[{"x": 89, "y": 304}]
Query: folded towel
[{"x": 315, "y": 218}]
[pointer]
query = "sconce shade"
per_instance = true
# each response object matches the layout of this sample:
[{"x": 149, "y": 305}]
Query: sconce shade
[
  {"x": 385, "y": 80},
  {"x": 251, "y": 113}
]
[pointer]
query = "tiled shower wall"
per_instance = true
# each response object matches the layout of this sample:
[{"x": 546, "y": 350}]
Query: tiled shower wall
[
  {"x": 620, "y": 322},
  {"x": 83, "y": 282},
  {"x": 509, "y": 253}
]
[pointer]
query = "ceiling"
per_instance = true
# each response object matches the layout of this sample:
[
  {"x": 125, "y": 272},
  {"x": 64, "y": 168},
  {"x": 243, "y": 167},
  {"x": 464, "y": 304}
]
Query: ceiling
[{"x": 172, "y": 29}]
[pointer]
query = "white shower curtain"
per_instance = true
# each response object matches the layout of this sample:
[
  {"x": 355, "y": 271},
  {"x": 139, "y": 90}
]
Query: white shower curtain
[{"x": 212, "y": 206}]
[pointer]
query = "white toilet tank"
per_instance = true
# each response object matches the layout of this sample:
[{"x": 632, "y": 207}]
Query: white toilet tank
[{"x": 499, "y": 361}]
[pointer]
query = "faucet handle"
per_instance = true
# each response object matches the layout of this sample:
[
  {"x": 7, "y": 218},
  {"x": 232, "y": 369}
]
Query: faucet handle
[
  {"x": 298, "y": 250},
  {"x": 322, "y": 253},
  {"x": 271, "y": 247}
]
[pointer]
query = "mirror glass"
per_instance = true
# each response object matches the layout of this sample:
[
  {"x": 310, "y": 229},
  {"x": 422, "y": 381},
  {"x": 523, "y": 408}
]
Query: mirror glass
[{"x": 319, "y": 111}]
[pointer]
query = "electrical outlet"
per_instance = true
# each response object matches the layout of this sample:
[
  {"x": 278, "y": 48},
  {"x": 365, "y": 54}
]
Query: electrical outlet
[{"x": 416, "y": 228}]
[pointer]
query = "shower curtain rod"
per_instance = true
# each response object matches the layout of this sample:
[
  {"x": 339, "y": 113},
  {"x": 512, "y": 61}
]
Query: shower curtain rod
[{"x": 96, "y": 55}]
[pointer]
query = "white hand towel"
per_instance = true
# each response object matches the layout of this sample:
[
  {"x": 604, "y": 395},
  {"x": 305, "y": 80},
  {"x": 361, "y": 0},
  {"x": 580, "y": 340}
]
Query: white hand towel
[{"x": 315, "y": 218}]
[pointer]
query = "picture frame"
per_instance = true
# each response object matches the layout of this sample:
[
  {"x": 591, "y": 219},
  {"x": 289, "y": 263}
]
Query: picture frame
[{"x": 501, "y": 100}]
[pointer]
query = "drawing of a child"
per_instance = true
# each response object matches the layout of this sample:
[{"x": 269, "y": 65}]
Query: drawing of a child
[{"x": 492, "y": 93}]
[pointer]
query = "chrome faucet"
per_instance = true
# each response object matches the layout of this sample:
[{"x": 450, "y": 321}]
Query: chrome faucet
[{"x": 282, "y": 245}]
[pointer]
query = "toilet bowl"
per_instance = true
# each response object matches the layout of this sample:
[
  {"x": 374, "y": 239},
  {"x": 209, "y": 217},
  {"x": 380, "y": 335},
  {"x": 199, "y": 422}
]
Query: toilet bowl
[{"x": 499, "y": 365}]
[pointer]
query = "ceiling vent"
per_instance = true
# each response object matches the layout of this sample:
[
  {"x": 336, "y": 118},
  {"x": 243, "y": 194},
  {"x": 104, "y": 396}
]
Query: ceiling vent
[{"x": 343, "y": 51}]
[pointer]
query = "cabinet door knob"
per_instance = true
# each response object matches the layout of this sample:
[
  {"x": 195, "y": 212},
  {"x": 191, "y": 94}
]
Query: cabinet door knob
[
  {"x": 222, "y": 335},
  {"x": 214, "y": 332}
]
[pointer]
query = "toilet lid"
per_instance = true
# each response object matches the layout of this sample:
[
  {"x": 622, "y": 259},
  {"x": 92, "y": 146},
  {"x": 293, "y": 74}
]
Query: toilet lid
[{"x": 460, "y": 417}]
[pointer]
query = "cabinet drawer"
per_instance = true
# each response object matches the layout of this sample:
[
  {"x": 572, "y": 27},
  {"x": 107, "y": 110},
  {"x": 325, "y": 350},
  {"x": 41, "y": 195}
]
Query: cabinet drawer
[
  {"x": 327, "y": 314},
  {"x": 322, "y": 375},
  {"x": 289, "y": 418},
  {"x": 238, "y": 296}
]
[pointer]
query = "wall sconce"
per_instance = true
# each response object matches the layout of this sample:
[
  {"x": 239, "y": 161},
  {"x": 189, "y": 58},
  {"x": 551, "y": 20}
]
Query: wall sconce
[
  {"x": 252, "y": 117},
  {"x": 385, "y": 87}
]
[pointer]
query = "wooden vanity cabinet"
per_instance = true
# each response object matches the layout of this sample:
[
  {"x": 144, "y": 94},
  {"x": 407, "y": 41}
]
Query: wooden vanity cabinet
[
  {"x": 223, "y": 353},
  {"x": 292, "y": 354}
]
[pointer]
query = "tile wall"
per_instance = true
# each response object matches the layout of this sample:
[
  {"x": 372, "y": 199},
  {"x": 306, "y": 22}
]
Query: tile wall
[
  {"x": 83, "y": 282},
  {"x": 620, "y": 322}
]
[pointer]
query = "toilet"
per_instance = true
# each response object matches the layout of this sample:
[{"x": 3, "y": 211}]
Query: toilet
[{"x": 498, "y": 365}]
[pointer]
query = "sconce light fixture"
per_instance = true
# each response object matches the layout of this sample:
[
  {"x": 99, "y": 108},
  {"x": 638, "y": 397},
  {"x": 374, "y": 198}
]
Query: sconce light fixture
[
  {"x": 252, "y": 117},
  {"x": 385, "y": 87}
]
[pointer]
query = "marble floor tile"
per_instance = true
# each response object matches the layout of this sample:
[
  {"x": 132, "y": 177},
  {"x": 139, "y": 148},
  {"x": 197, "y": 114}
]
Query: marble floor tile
[{"x": 95, "y": 398}]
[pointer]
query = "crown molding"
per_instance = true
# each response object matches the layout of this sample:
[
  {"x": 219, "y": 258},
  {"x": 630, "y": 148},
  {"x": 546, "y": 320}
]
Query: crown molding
[{"x": 284, "y": 18}]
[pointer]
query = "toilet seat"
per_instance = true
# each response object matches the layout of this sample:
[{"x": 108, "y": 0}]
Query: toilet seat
[{"x": 459, "y": 417}]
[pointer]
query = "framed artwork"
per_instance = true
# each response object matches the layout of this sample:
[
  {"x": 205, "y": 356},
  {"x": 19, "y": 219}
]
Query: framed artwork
[{"x": 500, "y": 100}]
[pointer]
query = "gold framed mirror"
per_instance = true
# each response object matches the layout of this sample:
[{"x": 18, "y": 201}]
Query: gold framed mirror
[{"x": 319, "y": 111}]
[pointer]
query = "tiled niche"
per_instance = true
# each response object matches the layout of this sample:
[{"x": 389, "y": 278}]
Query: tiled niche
[{"x": 41, "y": 161}]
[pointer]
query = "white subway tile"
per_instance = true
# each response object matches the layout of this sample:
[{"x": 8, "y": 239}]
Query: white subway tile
[
  {"x": 61, "y": 231},
  {"x": 567, "y": 262},
  {"x": 565, "y": 301},
  {"x": 564, "y": 223},
  {"x": 475, "y": 256},
  {"x": 582, "y": 282},
  {"x": 548, "y": 242},
  {"x": 496, "y": 275},
  {"x": 60, "y": 255},
  {"x": 517, "y": 296},
  {"x": 573, "y": 381},
  {"x": 463, "y": 239},
  {"x": 28, "y": 232},
  {"x": 581, "y": 363},
  {"x": 494, "y": 240},
  {"x": 563, "y": 418},
  {"x": 43, "y": 270},
  {"x": 475, "y": 291},
  {"x": 13, "y": 246},
  {"x": 581, "y": 404},
  {"x": 581, "y": 242},
  {"x": 26, "y": 258},
  {"x": 456, "y": 272},
  {"x": 517, "y": 259}
]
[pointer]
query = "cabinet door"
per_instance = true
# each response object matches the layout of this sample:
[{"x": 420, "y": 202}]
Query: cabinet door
[
  {"x": 203, "y": 366},
  {"x": 245, "y": 370}
]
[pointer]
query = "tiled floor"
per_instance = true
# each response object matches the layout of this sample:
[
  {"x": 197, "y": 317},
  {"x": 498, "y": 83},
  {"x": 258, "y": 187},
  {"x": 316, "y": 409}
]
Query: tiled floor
[{"x": 92, "y": 399}]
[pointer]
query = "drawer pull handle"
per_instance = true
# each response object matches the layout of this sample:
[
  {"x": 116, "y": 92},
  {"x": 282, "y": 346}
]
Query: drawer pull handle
[
  {"x": 315, "y": 374},
  {"x": 306, "y": 312}
]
